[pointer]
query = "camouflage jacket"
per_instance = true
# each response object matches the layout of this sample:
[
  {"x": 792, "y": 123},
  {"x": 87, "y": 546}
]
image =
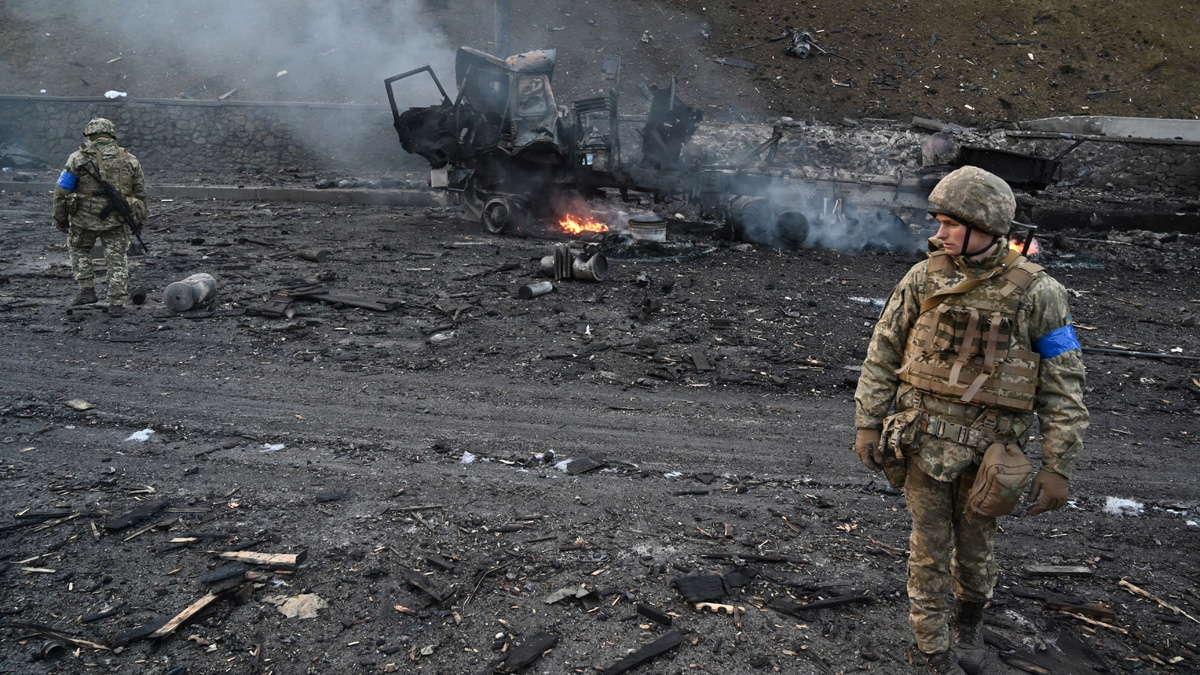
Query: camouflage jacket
[
  {"x": 74, "y": 198},
  {"x": 1059, "y": 405}
]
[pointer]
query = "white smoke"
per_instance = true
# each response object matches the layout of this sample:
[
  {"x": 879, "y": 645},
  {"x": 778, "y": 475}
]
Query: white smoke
[{"x": 268, "y": 50}]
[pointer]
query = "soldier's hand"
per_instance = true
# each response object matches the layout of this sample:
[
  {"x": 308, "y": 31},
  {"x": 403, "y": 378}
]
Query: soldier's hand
[
  {"x": 1049, "y": 490},
  {"x": 866, "y": 444},
  {"x": 62, "y": 227}
]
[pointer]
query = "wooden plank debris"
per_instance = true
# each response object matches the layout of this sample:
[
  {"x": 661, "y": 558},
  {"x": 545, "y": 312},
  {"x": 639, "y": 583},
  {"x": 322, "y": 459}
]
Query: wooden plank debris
[
  {"x": 47, "y": 631},
  {"x": 653, "y": 613},
  {"x": 750, "y": 557},
  {"x": 233, "y": 570},
  {"x": 141, "y": 632},
  {"x": 136, "y": 516},
  {"x": 1058, "y": 571},
  {"x": 376, "y": 303},
  {"x": 701, "y": 587},
  {"x": 103, "y": 614},
  {"x": 273, "y": 307},
  {"x": 1124, "y": 583},
  {"x": 699, "y": 360},
  {"x": 788, "y": 607},
  {"x": 1065, "y": 603},
  {"x": 276, "y": 561},
  {"x": 646, "y": 654},
  {"x": 527, "y": 652},
  {"x": 179, "y": 619},
  {"x": 418, "y": 580},
  {"x": 439, "y": 561}
]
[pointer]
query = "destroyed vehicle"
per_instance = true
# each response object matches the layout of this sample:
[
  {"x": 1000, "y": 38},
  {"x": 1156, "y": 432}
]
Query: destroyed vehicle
[
  {"x": 505, "y": 139},
  {"x": 511, "y": 154}
]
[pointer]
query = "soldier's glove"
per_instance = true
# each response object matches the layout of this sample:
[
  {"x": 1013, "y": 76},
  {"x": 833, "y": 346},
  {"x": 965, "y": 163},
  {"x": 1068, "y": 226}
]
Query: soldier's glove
[
  {"x": 1049, "y": 490},
  {"x": 62, "y": 226},
  {"x": 866, "y": 444}
]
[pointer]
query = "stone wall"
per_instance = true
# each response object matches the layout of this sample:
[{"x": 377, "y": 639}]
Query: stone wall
[
  {"x": 183, "y": 136},
  {"x": 213, "y": 135}
]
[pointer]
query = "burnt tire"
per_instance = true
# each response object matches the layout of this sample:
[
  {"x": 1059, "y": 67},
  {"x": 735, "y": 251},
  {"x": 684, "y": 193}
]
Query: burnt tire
[{"x": 497, "y": 215}]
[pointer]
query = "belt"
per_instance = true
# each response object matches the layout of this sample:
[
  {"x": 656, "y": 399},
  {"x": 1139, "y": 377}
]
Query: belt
[{"x": 971, "y": 437}]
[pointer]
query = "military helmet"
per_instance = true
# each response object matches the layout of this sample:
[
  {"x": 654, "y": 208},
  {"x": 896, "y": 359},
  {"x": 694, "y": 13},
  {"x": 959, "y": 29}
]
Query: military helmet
[
  {"x": 100, "y": 126},
  {"x": 977, "y": 198}
]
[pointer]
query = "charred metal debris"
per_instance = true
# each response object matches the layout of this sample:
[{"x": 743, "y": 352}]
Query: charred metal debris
[{"x": 506, "y": 150}]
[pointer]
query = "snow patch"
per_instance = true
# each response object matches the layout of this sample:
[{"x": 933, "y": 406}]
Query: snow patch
[
  {"x": 141, "y": 436},
  {"x": 1116, "y": 506}
]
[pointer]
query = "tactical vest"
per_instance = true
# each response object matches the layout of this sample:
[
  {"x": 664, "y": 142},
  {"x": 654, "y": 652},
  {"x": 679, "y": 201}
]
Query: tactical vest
[
  {"x": 961, "y": 347},
  {"x": 113, "y": 167}
]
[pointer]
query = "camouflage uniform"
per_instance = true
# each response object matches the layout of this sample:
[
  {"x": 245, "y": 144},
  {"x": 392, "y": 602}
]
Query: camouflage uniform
[
  {"x": 77, "y": 208},
  {"x": 942, "y": 468}
]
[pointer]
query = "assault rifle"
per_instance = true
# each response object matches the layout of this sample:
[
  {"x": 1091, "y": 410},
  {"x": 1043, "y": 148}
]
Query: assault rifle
[{"x": 116, "y": 202}]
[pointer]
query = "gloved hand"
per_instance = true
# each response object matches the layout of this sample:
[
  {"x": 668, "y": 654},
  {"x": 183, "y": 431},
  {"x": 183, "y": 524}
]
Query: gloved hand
[
  {"x": 1049, "y": 490},
  {"x": 62, "y": 227},
  {"x": 866, "y": 444}
]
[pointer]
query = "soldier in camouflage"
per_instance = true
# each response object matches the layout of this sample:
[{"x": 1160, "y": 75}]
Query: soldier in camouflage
[
  {"x": 973, "y": 343},
  {"x": 78, "y": 208}
]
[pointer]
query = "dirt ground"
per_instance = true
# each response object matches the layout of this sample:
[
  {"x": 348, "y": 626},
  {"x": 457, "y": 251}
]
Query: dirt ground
[
  {"x": 443, "y": 464},
  {"x": 714, "y": 392}
]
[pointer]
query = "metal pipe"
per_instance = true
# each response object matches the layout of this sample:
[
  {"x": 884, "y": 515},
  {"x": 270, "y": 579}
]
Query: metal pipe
[
  {"x": 531, "y": 291},
  {"x": 193, "y": 291},
  {"x": 502, "y": 22}
]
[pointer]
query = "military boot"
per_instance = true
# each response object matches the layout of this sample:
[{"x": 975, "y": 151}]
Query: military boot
[
  {"x": 85, "y": 296},
  {"x": 969, "y": 647},
  {"x": 942, "y": 663}
]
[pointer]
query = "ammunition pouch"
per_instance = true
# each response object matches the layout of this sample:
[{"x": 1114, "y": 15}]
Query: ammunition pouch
[
  {"x": 898, "y": 440},
  {"x": 1002, "y": 477}
]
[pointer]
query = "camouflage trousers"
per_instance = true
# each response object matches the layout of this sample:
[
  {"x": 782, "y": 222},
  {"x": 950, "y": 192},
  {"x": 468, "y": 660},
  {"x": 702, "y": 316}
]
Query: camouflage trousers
[
  {"x": 946, "y": 550},
  {"x": 116, "y": 260}
]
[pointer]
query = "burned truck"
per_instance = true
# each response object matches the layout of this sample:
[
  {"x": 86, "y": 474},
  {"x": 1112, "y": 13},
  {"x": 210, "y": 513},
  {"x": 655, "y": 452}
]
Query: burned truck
[
  {"x": 511, "y": 153},
  {"x": 506, "y": 147}
]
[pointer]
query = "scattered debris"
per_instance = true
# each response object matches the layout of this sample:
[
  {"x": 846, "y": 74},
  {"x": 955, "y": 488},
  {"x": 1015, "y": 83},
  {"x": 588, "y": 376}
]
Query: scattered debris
[
  {"x": 303, "y": 606},
  {"x": 136, "y": 516},
  {"x": 140, "y": 436},
  {"x": 526, "y": 652},
  {"x": 646, "y": 654},
  {"x": 531, "y": 291},
  {"x": 196, "y": 291},
  {"x": 1058, "y": 571},
  {"x": 274, "y": 561}
]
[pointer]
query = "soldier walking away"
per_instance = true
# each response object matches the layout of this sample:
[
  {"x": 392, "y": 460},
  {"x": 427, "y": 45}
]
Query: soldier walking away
[
  {"x": 973, "y": 343},
  {"x": 84, "y": 212}
]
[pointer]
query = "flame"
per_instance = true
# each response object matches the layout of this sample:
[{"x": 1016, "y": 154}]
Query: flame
[
  {"x": 1034, "y": 247},
  {"x": 580, "y": 225}
]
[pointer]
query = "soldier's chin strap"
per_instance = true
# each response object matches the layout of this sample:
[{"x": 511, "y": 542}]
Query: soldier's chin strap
[{"x": 967, "y": 242}]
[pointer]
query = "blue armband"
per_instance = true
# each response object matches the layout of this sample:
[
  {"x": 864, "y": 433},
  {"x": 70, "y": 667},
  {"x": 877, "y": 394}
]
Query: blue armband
[
  {"x": 67, "y": 180},
  {"x": 1057, "y": 341}
]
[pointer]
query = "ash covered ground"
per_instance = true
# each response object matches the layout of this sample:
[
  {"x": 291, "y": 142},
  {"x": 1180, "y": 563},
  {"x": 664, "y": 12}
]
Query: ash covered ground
[
  {"x": 431, "y": 460},
  {"x": 714, "y": 395}
]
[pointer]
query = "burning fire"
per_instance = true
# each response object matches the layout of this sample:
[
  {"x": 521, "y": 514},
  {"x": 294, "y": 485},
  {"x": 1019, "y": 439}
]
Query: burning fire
[
  {"x": 580, "y": 225},
  {"x": 1019, "y": 245}
]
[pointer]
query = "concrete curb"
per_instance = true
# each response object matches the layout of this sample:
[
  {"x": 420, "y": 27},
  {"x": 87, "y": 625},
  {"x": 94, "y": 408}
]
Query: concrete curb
[{"x": 269, "y": 194}]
